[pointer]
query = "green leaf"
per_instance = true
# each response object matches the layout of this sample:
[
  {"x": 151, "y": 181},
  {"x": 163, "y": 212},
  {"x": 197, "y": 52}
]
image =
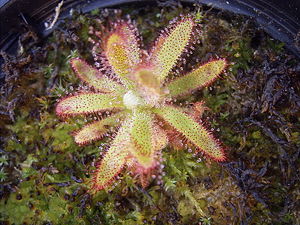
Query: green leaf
[
  {"x": 94, "y": 78},
  {"x": 192, "y": 130},
  {"x": 114, "y": 159},
  {"x": 141, "y": 136},
  {"x": 202, "y": 76},
  {"x": 147, "y": 139},
  {"x": 170, "y": 45},
  {"x": 96, "y": 130},
  {"x": 87, "y": 103},
  {"x": 122, "y": 51}
]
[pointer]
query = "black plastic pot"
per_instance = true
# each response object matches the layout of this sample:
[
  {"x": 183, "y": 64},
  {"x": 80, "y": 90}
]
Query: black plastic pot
[{"x": 280, "y": 18}]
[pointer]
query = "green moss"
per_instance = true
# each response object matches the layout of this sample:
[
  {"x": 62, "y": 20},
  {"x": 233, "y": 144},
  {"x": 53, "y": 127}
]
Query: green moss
[
  {"x": 95, "y": 12},
  {"x": 256, "y": 134},
  {"x": 34, "y": 205}
]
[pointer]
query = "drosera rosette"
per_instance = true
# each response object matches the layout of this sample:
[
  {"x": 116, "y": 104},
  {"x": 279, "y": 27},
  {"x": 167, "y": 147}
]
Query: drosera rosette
[{"x": 130, "y": 93}]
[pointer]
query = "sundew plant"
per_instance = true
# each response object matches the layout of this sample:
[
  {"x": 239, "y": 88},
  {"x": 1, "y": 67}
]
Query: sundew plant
[{"x": 131, "y": 92}]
